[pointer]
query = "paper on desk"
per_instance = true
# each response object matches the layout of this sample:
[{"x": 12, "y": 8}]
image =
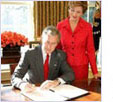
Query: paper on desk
[
  {"x": 45, "y": 95},
  {"x": 69, "y": 91},
  {"x": 59, "y": 93}
]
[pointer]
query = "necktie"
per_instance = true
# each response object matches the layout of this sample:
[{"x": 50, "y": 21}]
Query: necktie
[{"x": 46, "y": 67}]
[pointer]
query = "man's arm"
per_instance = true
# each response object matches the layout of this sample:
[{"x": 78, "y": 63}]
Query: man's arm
[
  {"x": 66, "y": 71},
  {"x": 20, "y": 71}
]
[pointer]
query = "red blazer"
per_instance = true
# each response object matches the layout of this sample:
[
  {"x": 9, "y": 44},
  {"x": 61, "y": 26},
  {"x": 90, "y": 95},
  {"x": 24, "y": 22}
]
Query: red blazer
[{"x": 78, "y": 45}]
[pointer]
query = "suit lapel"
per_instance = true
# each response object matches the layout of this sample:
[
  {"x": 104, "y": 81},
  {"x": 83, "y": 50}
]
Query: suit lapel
[
  {"x": 53, "y": 64},
  {"x": 39, "y": 63}
]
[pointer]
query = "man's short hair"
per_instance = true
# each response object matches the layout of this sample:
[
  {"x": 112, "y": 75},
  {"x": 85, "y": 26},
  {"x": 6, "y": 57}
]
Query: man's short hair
[{"x": 52, "y": 31}]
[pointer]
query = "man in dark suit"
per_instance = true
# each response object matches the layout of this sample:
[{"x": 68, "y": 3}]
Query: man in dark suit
[{"x": 30, "y": 69}]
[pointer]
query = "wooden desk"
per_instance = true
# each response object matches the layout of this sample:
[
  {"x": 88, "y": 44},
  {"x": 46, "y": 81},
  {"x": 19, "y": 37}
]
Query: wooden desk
[
  {"x": 92, "y": 85},
  {"x": 12, "y": 60}
]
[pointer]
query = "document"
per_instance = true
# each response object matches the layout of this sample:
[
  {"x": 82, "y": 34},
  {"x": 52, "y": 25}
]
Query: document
[{"x": 60, "y": 93}]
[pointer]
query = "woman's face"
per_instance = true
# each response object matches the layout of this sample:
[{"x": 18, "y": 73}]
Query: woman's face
[{"x": 75, "y": 13}]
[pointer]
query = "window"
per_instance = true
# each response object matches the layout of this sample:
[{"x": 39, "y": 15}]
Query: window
[
  {"x": 88, "y": 16},
  {"x": 18, "y": 17}
]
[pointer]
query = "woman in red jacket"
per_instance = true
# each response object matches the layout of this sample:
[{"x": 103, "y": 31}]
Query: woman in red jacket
[{"x": 77, "y": 41}]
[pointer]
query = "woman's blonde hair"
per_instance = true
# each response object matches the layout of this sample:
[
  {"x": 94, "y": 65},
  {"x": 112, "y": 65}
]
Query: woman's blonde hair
[{"x": 84, "y": 4}]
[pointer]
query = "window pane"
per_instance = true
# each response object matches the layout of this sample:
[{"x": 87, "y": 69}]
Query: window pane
[
  {"x": 17, "y": 18},
  {"x": 91, "y": 12},
  {"x": 85, "y": 16}
]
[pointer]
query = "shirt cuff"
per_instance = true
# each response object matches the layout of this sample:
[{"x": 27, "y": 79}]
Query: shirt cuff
[
  {"x": 22, "y": 85},
  {"x": 61, "y": 80}
]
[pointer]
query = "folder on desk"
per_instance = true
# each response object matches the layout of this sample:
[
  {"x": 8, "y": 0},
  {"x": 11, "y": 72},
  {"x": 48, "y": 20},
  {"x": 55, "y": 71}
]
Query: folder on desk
[{"x": 59, "y": 93}]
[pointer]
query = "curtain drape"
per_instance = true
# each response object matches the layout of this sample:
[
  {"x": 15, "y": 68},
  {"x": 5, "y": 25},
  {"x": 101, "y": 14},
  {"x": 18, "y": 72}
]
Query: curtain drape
[{"x": 48, "y": 13}]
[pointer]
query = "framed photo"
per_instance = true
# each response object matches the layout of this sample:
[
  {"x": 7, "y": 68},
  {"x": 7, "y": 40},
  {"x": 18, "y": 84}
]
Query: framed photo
[{"x": 33, "y": 44}]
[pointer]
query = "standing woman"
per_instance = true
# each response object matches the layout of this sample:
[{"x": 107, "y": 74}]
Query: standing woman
[{"x": 77, "y": 41}]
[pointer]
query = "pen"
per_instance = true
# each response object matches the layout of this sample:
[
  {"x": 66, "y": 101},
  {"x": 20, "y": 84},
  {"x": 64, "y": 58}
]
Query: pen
[
  {"x": 51, "y": 90},
  {"x": 59, "y": 94}
]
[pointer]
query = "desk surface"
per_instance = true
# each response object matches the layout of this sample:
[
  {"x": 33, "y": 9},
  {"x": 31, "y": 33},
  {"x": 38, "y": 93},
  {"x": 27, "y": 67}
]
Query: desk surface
[
  {"x": 10, "y": 59},
  {"x": 92, "y": 85}
]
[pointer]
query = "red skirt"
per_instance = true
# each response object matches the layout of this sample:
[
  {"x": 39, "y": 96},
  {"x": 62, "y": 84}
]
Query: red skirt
[{"x": 81, "y": 72}]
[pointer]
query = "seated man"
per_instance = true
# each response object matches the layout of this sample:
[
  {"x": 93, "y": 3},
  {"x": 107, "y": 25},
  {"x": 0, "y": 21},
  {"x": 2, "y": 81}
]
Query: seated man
[{"x": 42, "y": 63}]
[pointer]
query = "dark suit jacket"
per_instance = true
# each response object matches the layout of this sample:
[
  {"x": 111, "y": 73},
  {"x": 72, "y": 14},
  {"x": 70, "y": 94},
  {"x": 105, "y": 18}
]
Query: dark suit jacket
[{"x": 30, "y": 67}]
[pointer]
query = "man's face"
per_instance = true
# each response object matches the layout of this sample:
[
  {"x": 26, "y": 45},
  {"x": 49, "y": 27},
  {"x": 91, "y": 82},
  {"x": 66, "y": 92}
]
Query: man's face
[{"x": 50, "y": 42}]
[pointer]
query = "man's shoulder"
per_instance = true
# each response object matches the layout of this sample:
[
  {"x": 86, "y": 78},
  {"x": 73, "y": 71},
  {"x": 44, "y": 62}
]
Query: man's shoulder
[
  {"x": 33, "y": 50},
  {"x": 60, "y": 53}
]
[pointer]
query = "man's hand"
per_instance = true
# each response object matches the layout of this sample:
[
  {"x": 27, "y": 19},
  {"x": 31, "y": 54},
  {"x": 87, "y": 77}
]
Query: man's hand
[
  {"x": 50, "y": 84},
  {"x": 27, "y": 87}
]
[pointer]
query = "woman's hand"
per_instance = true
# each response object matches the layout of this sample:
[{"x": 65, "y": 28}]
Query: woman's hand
[{"x": 96, "y": 76}]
